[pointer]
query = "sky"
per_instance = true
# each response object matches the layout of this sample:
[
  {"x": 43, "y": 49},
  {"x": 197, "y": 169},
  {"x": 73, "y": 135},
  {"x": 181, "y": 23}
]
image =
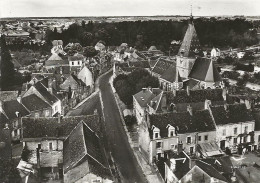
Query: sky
[{"x": 61, "y": 8}]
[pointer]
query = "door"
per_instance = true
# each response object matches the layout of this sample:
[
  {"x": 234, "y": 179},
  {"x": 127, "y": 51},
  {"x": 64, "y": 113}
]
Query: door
[{"x": 222, "y": 144}]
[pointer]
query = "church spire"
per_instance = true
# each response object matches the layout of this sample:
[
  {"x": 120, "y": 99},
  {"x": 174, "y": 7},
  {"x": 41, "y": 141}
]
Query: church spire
[{"x": 191, "y": 16}]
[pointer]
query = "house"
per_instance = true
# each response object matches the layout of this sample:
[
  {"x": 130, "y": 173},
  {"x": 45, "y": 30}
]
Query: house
[
  {"x": 57, "y": 47},
  {"x": 11, "y": 113},
  {"x": 55, "y": 61},
  {"x": 43, "y": 141},
  {"x": 44, "y": 90},
  {"x": 5, "y": 143},
  {"x": 140, "y": 101},
  {"x": 179, "y": 100},
  {"x": 182, "y": 168},
  {"x": 87, "y": 77},
  {"x": 76, "y": 60},
  {"x": 176, "y": 130},
  {"x": 100, "y": 46},
  {"x": 215, "y": 52},
  {"x": 234, "y": 126},
  {"x": 84, "y": 157},
  {"x": 76, "y": 89},
  {"x": 36, "y": 106},
  {"x": 256, "y": 116}
]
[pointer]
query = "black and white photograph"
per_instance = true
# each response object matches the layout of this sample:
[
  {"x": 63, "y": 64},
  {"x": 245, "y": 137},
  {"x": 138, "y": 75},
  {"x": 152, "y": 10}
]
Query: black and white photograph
[{"x": 129, "y": 91}]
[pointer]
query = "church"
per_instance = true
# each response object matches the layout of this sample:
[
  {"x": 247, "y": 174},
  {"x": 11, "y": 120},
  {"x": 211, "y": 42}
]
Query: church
[{"x": 189, "y": 69}]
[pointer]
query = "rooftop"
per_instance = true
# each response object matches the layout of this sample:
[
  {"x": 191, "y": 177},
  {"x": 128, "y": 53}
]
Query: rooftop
[
  {"x": 34, "y": 103},
  {"x": 146, "y": 95}
]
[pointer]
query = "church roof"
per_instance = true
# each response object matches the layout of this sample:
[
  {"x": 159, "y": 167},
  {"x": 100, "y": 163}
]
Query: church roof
[
  {"x": 55, "y": 57},
  {"x": 190, "y": 42},
  {"x": 204, "y": 70}
]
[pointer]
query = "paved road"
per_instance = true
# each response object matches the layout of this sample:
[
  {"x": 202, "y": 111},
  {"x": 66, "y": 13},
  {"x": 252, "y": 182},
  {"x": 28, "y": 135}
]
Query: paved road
[{"x": 120, "y": 148}]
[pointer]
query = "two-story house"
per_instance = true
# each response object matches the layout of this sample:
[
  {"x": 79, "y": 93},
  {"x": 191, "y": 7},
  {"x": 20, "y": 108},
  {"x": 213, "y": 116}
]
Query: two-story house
[
  {"x": 45, "y": 92},
  {"x": 175, "y": 130},
  {"x": 235, "y": 126},
  {"x": 140, "y": 101},
  {"x": 43, "y": 141}
]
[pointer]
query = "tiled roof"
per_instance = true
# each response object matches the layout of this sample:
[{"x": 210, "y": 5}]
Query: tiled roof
[
  {"x": 8, "y": 95},
  {"x": 45, "y": 93},
  {"x": 146, "y": 95},
  {"x": 54, "y": 57},
  {"x": 204, "y": 70},
  {"x": 140, "y": 64},
  {"x": 56, "y": 62},
  {"x": 199, "y": 121},
  {"x": 13, "y": 106},
  {"x": 34, "y": 103},
  {"x": 84, "y": 143},
  {"x": 50, "y": 127},
  {"x": 162, "y": 65},
  {"x": 190, "y": 42},
  {"x": 76, "y": 57},
  {"x": 191, "y": 83},
  {"x": 234, "y": 113},
  {"x": 194, "y": 96}
]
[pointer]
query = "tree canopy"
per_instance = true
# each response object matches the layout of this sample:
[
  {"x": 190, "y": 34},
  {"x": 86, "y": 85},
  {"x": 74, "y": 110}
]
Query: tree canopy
[{"x": 128, "y": 85}]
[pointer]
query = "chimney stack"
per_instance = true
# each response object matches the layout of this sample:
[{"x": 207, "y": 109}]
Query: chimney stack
[
  {"x": 19, "y": 99},
  {"x": 189, "y": 109},
  {"x": 207, "y": 104},
  {"x": 144, "y": 89},
  {"x": 188, "y": 90},
  {"x": 38, "y": 157}
]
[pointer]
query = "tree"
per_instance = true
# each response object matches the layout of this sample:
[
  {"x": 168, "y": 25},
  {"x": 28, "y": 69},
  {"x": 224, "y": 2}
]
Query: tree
[
  {"x": 83, "y": 24},
  {"x": 9, "y": 172},
  {"x": 89, "y": 51},
  {"x": 7, "y": 67}
]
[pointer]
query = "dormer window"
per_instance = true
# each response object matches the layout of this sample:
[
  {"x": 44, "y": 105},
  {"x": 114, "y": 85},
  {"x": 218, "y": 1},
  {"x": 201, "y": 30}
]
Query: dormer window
[
  {"x": 156, "y": 132},
  {"x": 171, "y": 130}
]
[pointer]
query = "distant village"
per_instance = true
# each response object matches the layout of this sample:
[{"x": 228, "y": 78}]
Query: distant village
[{"x": 200, "y": 124}]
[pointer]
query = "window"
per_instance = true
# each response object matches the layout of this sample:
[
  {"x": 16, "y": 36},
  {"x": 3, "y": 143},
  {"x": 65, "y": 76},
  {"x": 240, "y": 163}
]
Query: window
[
  {"x": 235, "y": 130},
  {"x": 206, "y": 137},
  {"x": 172, "y": 146},
  {"x": 199, "y": 138},
  {"x": 50, "y": 146},
  {"x": 72, "y": 63},
  {"x": 171, "y": 133},
  {"x": 158, "y": 144},
  {"x": 188, "y": 140},
  {"x": 258, "y": 138},
  {"x": 156, "y": 135},
  {"x": 78, "y": 63},
  {"x": 224, "y": 132},
  {"x": 235, "y": 140},
  {"x": 191, "y": 150},
  {"x": 36, "y": 114},
  {"x": 47, "y": 113},
  {"x": 246, "y": 129}
]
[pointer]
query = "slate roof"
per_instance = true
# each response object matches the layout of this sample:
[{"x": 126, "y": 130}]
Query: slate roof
[
  {"x": 49, "y": 127},
  {"x": 73, "y": 82},
  {"x": 8, "y": 95},
  {"x": 13, "y": 106},
  {"x": 191, "y": 83},
  {"x": 34, "y": 103},
  {"x": 190, "y": 42},
  {"x": 199, "y": 121},
  {"x": 45, "y": 93},
  {"x": 162, "y": 65},
  {"x": 210, "y": 170},
  {"x": 84, "y": 144},
  {"x": 204, "y": 70},
  {"x": 140, "y": 64},
  {"x": 76, "y": 57},
  {"x": 170, "y": 73},
  {"x": 234, "y": 113},
  {"x": 56, "y": 62},
  {"x": 146, "y": 95},
  {"x": 194, "y": 96},
  {"x": 55, "y": 57}
]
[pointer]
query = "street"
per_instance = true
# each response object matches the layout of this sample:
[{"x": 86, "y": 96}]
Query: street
[
  {"x": 116, "y": 137},
  {"x": 121, "y": 150}
]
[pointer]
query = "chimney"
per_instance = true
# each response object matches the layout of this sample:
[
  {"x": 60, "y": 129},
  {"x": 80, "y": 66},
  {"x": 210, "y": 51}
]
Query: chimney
[
  {"x": 59, "y": 118},
  {"x": 173, "y": 164},
  {"x": 189, "y": 109},
  {"x": 38, "y": 157},
  {"x": 1, "y": 106},
  {"x": 6, "y": 126},
  {"x": 225, "y": 106},
  {"x": 17, "y": 113},
  {"x": 144, "y": 89},
  {"x": 180, "y": 147},
  {"x": 188, "y": 90},
  {"x": 207, "y": 104},
  {"x": 19, "y": 99}
]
